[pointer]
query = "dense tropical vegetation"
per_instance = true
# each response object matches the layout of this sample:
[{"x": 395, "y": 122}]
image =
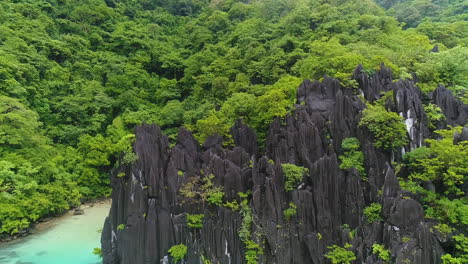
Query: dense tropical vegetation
[{"x": 77, "y": 76}]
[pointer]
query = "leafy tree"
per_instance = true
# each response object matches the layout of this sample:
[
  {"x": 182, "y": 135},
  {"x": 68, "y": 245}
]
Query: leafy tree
[
  {"x": 213, "y": 124},
  {"x": 386, "y": 127},
  {"x": 461, "y": 245},
  {"x": 443, "y": 162},
  {"x": 19, "y": 126},
  {"x": 446, "y": 67}
]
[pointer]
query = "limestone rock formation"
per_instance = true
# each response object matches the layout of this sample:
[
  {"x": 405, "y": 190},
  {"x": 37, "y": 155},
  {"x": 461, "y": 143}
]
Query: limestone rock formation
[
  {"x": 151, "y": 202},
  {"x": 454, "y": 110}
]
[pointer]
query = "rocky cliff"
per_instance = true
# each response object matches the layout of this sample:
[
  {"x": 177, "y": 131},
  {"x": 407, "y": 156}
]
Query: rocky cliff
[{"x": 152, "y": 198}]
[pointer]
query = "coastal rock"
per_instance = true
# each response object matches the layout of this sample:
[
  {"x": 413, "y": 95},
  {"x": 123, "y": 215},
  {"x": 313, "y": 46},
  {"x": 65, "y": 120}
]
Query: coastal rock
[
  {"x": 152, "y": 202},
  {"x": 78, "y": 211}
]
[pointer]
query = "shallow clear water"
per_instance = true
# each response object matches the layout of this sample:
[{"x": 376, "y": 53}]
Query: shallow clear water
[{"x": 70, "y": 240}]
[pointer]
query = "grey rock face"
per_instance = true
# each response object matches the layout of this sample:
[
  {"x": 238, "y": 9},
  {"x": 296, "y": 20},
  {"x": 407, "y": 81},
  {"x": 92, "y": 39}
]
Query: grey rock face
[
  {"x": 455, "y": 111},
  {"x": 148, "y": 213}
]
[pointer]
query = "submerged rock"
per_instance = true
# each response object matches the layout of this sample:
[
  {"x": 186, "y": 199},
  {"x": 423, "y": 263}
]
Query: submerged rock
[
  {"x": 78, "y": 211},
  {"x": 151, "y": 203}
]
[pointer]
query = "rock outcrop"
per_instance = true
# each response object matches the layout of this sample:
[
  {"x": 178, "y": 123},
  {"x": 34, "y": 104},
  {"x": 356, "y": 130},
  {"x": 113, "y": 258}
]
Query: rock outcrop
[
  {"x": 151, "y": 201},
  {"x": 456, "y": 113}
]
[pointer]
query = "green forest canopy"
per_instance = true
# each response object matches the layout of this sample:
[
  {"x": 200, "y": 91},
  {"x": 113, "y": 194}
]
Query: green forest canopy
[{"x": 77, "y": 76}]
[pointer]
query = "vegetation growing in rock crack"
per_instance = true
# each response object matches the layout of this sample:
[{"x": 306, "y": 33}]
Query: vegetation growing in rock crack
[
  {"x": 373, "y": 212},
  {"x": 195, "y": 220},
  {"x": 178, "y": 252},
  {"x": 290, "y": 211},
  {"x": 434, "y": 115},
  {"x": 386, "y": 127},
  {"x": 293, "y": 175},
  {"x": 381, "y": 252},
  {"x": 352, "y": 157},
  {"x": 203, "y": 189},
  {"x": 340, "y": 255},
  {"x": 254, "y": 249}
]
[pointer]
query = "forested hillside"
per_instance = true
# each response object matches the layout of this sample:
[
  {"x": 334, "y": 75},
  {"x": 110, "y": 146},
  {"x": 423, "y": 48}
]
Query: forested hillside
[
  {"x": 76, "y": 77},
  {"x": 413, "y": 12}
]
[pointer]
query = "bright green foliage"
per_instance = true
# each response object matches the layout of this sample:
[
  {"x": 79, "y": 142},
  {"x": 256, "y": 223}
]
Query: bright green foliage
[
  {"x": 387, "y": 127},
  {"x": 373, "y": 212},
  {"x": 290, "y": 212},
  {"x": 213, "y": 124},
  {"x": 443, "y": 228},
  {"x": 195, "y": 220},
  {"x": 386, "y": 99},
  {"x": 413, "y": 12},
  {"x": 98, "y": 252},
  {"x": 215, "y": 198},
  {"x": 434, "y": 115},
  {"x": 437, "y": 206},
  {"x": 350, "y": 143},
  {"x": 19, "y": 126},
  {"x": 203, "y": 189},
  {"x": 319, "y": 236},
  {"x": 244, "y": 231},
  {"x": 211, "y": 193},
  {"x": 253, "y": 250},
  {"x": 462, "y": 243},
  {"x": 257, "y": 110},
  {"x": 451, "y": 211},
  {"x": 411, "y": 158},
  {"x": 125, "y": 147},
  {"x": 121, "y": 227},
  {"x": 34, "y": 181},
  {"x": 381, "y": 251},
  {"x": 293, "y": 175},
  {"x": 447, "y": 67},
  {"x": 405, "y": 239},
  {"x": 245, "y": 234},
  {"x": 77, "y": 76},
  {"x": 443, "y": 162},
  {"x": 352, "y": 157},
  {"x": 205, "y": 260},
  {"x": 461, "y": 251},
  {"x": 448, "y": 259},
  {"x": 234, "y": 206},
  {"x": 340, "y": 255},
  {"x": 178, "y": 252},
  {"x": 95, "y": 153}
]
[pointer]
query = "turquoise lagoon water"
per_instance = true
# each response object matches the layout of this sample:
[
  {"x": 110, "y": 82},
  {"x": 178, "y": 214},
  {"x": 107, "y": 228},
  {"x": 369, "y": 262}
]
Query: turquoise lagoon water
[{"x": 70, "y": 240}]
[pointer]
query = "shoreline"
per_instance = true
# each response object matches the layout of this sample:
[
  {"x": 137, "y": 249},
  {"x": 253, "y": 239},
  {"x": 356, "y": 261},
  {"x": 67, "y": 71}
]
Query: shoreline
[{"x": 47, "y": 223}]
